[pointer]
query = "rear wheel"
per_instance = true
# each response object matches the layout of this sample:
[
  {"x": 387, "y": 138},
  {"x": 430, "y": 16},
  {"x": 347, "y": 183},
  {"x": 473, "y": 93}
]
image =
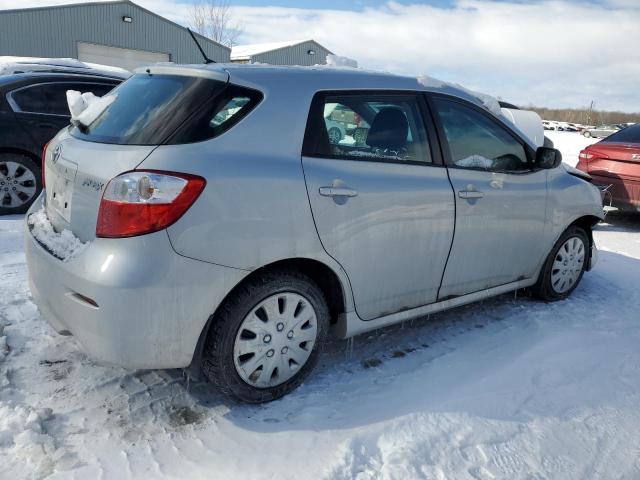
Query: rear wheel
[
  {"x": 20, "y": 183},
  {"x": 587, "y": 133},
  {"x": 265, "y": 339},
  {"x": 565, "y": 265}
]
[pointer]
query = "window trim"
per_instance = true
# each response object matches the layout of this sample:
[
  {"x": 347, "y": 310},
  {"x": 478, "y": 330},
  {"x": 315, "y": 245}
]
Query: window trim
[
  {"x": 17, "y": 109},
  {"x": 317, "y": 103},
  {"x": 444, "y": 142}
]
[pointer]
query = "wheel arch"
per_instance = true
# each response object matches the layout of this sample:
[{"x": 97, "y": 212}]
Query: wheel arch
[
  {"x": 586, "y": 222},
  {"x": 20, "y": 151},
  {"x": 334, "y": 287}
]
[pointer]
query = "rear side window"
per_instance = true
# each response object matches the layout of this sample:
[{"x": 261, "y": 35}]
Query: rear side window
[
  {"x": 367, "y": 126},
  {"x": 169, "y": 109},
  {"x": 51, "y": 98},
  {"x": 627, "y": 135},
  {"x": 478, "y": 142}
]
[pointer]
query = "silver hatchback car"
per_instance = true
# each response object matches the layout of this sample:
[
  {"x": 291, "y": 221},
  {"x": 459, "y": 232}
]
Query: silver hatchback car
[{"x": 206, "y": 217}]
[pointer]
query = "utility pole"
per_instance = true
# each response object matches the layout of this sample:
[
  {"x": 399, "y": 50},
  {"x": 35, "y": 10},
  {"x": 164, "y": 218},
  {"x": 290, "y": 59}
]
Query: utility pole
[{"x": 589, "y": 113}]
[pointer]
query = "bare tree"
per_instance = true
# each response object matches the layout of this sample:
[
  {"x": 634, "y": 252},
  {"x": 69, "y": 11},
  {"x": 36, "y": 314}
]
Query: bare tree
[{"x": 214, "y": 19}]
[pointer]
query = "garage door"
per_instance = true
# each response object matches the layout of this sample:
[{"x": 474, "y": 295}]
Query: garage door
[{"x": 118, "y": 57}]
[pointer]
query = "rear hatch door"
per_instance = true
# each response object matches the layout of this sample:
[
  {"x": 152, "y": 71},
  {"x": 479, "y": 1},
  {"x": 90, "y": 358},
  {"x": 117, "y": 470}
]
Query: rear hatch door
[{"x": 148, "y": 108}]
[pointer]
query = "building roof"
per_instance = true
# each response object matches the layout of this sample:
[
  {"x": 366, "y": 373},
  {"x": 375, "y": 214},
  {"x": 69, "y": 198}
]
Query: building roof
[
  {"x": 91, "y": 4},
  {"x": 245, "y": 52}
]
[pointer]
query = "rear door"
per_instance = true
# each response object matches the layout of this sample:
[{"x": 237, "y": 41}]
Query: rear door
[
  {"x": 500, "y": 200},
  {"x": 380, "y": 196}
]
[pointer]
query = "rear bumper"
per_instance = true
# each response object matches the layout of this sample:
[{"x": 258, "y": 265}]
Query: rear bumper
[
  {"x": 152, "y": 304},
  {"x": 621, "y": 193}
]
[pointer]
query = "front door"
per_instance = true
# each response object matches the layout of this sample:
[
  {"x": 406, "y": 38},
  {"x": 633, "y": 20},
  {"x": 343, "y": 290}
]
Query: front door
[
  {"x": 500, "y": 201},
  {"x": 381, "y": 200}
]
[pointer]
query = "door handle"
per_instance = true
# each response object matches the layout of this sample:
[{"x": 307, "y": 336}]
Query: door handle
[
  {"x": 337, "y": 192},
  {"x": 470, "y": 194}
]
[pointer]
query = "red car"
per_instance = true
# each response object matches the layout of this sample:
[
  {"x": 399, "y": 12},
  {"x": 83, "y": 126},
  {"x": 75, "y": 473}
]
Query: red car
[{"x": 615, "y": 161}]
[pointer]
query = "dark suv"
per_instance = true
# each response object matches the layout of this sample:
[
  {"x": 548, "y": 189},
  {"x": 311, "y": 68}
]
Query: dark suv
[{"x": 33, "y": 108}]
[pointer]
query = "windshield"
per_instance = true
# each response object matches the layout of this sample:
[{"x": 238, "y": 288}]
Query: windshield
[{"x": 157, "y": 109}]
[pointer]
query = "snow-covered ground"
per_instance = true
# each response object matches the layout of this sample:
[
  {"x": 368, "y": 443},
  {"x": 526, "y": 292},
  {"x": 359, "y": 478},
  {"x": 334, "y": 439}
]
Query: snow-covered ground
[{"x": 510, "y": 388}]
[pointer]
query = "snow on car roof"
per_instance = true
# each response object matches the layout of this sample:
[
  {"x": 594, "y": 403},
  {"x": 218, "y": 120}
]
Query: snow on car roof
[{"x": 10, "y": 65}]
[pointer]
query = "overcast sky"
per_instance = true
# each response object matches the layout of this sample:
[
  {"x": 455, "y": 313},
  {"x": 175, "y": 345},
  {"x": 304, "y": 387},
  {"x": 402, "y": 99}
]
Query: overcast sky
[{"x": 557, "y": 53}]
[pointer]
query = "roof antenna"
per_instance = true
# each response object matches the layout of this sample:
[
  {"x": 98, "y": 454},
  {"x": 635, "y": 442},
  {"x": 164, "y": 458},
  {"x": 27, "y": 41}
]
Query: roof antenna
[{"x": 204, "y": 55}]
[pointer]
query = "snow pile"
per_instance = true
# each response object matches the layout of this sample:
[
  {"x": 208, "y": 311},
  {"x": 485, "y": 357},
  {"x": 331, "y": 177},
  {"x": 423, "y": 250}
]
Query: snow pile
[
  {"x": 64, "y": 245},
  {"x": 86, "y": 107},
  {"x": 338, "y": 61},
  {"x": 24, "y": 442}
]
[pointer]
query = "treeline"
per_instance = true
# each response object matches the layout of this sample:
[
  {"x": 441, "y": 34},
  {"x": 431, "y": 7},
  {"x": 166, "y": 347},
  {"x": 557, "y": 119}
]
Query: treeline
[{"x": 585, "y": 116}]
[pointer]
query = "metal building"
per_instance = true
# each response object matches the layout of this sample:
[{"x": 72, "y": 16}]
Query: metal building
[
  {"x": 118, "y": 33},
  {"x": 297, "y": 52}
]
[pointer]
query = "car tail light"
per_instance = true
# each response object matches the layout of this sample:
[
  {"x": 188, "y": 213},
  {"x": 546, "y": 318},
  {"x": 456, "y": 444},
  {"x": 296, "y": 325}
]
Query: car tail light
[
  {"x": 140, "y": 202},
  {"x": 43, "y": 162},
  {"x": 588, "y": 155}
]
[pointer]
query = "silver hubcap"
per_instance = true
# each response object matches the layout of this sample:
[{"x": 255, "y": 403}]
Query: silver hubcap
[
  {"x": 17, "y": 184},
  {"x": 275, "y": 340},
  {"x": 567, "y": 265}
]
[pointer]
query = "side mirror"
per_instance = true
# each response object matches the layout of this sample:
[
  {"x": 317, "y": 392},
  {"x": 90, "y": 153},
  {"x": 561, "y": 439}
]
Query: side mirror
[{"x": 548, "y": 157}]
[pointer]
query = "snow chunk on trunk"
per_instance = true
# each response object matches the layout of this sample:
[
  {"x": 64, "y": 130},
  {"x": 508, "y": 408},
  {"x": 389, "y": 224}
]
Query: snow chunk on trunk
[
  {"x": 338, "y": 61},
  {"x": 86, "y": 107},
  {"x": 64, "y": 245}
]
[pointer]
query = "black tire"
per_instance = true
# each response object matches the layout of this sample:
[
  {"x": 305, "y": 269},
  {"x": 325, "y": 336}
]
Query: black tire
[
  {"x": 217, "y": 358},
  {"x": 543, "y": 288},
  {"x": 587, "y": 134},
  {"x": 25, "y": 164}
]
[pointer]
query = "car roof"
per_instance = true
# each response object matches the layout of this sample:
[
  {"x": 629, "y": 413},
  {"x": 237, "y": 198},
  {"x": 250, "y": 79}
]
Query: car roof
[{"x": 321, "y": 77}]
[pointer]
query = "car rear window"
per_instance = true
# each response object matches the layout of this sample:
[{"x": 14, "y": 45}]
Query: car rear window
[
  {"x": 626, "y": 135},
  {"x": 169, "y": 109}
]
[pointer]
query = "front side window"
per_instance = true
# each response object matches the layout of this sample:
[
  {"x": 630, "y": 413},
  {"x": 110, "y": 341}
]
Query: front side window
[
  {"x": 51, "y": 98},
  {"x": 367, "y": 127},
  {"x": 478, "y": 142}
]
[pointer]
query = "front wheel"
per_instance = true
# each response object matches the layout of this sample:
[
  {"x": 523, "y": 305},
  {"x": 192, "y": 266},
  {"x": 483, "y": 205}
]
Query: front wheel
[
  {"x": 587, "y": 134},
  {"x": 564, "y": 267},
  {"x": 266, "y": 337}
]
